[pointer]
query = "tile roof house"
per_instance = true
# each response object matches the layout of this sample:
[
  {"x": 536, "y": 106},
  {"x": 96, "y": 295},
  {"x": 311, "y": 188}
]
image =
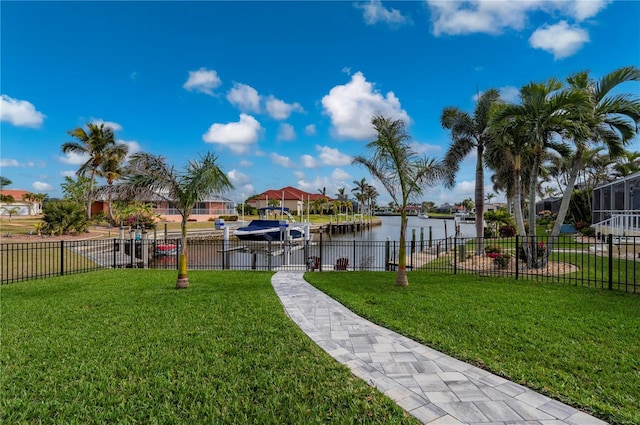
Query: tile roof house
[{"x": 24, "y": 207}]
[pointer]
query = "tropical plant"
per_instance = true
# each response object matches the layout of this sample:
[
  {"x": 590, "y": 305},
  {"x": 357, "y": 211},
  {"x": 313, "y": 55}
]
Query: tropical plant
[
  {"x": 98, "y": 145},
  {"x": 532, "y": 128},
  {"x": 64, "y": 217},
  {"x": 112, "y": 169},
  {"x": 76, "y": 190},
  {"x": 401, "y": 171},
  {"x": 4, "y": 182},
  {"x": 603, "y": 118},
  {"x": 150, "y": 177},
  {"x": 469, "y": 133},
  {"x": 10, "y": 211}
]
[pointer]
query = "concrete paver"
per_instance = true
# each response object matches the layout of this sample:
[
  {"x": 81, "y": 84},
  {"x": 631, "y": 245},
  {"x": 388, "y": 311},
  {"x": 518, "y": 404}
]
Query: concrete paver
[{"x": 431, "y": 386}]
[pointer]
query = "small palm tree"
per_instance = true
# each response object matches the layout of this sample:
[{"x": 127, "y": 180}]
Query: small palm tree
[
  {"x": 401, "y": 171},
  {"x": 10, "y": 211},
  {"x": 150, "y": 176}
]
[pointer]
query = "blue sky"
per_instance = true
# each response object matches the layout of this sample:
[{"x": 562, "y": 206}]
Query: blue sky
[{"x": 282, "y": 92}]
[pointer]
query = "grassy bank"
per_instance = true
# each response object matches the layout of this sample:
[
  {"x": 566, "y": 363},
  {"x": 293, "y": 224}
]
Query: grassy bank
[
  {"x": 122, "y": 346},
  {"x": 578, "y": 345}
]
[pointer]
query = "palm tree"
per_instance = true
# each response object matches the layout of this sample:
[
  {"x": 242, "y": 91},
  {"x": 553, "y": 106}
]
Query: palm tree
[
  {"x": 359, "y": 191},
  {"x": 401, "y": 171},
  {"x": 11, "y": 211},
  {"x": 98, "y": 144},
  {"x": 112, "y": 169},
  {"x": 4, "y": 182},
  {"x": 469, "y": 133},
  {"x": 529, "y": 127},
  {"x": 627, "y": 164},
  {"x": 608, "y": 119},
  {"x": 150, "y": 176},
  {"x": 488, "y": 197}
]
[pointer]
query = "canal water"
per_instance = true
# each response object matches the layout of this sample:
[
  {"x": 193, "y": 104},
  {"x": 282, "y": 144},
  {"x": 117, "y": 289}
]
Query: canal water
[{"x": 364, "y": 250}]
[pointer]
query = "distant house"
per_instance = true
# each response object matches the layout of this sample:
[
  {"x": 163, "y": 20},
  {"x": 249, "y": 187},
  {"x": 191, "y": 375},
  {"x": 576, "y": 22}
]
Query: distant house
[
  {"x": 209, "y": 209},
  {"x": 287, "y": 197},
  {"x": 24, "y": 207}
]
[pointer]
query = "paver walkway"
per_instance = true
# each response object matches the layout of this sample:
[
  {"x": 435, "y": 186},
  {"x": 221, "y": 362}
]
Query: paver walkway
[{"x": 431, "y": 386}]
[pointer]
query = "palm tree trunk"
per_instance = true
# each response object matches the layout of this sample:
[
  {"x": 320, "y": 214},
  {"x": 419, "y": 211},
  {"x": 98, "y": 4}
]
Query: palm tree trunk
[
  {"x": 479, "y": 190},
  {"x": 564, "y": 205},
  {"x": 517, "y": 205},
  {"x": 183, "y": 280},
  {"x": 532, "y": 255},
  {"x": 401, "y": 278},
  {"x": 90, "y": 193}
]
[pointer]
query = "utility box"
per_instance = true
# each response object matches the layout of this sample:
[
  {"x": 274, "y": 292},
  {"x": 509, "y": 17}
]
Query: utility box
[{"x": 219, "y": 223}]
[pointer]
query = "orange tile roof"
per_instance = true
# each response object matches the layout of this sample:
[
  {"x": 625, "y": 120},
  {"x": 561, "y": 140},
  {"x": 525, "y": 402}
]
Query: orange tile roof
[
  {"x": 290, "y": 193},
  {"x": 16, "y": 193}
]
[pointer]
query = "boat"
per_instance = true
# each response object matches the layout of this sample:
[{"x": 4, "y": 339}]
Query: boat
[
  {"x": 271, "y": 230},
  {"x": 423, "y": 216}
]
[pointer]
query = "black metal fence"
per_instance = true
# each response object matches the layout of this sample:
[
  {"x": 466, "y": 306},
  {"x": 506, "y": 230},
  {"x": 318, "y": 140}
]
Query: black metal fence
[{"x": 610, "y": 263}]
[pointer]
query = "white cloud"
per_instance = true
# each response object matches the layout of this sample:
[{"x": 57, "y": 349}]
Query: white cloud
[
  {"x": 352, "y": 105},
  {"x": 281, "y": 110},
  {"x": 286, "y": 132},
  {"x": 299, "y": 175},
  {"x": 68, "y": 173},
  {"x": 582, "y": 10},
  {"x": 113, "y": 125},
  {"x": 203, "y": 80},
  {"x": 425, "y": 148},
  {"x": 238, "y": 136},
  {"x": 285, "y": 161},
  {"x": 317, "y": 183},
  {"x": 132, "y": 145},
  {"x": 245, "y": 163},
  {"x": 561, "y": 39},
  {"x": 73, "y": 158},
  {"x": 509, "y": 94},
  {"x": 308, "y": 161},
  {"x": 374, "y": 12},
  {"x": 20, "y": 113},
  {"x": 238, "y": 178},
  {"x": 332, "y": 156},
  {"x": 42, "y": 187},
  {"x": 7, "y": 162},
  {"x": 244, "y": 97},
  {"x": 494, "y": 16},
  {"x": 339, "y": 175},
  {"x": 310, "y": 130}
]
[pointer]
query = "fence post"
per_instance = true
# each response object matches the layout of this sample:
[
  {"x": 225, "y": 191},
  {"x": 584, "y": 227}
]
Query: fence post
[
  {"x": 320, "y": 265},
  {"x": 387, "y": 256},
  {"x": 354, "y": 254},
  {"x": 269, "y": 255},
  {"x": 455, "y": 255},
  {"x": 610, "y": 246},
  {"x": 517, "y": 257},
  {"x": 61, "y": 258},
  {"x": 115, "y": 244},
  {"x": 421, "y": 239}
]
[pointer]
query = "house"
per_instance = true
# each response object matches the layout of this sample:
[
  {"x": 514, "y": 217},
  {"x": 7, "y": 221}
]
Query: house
[
  {"x": 615, "y": 206},
  {"x": 23, "y": 207},
  {"x": 548, "y": 204},
  {"x": 287, "y": 197},
  {"x": 209, "y": 209}
]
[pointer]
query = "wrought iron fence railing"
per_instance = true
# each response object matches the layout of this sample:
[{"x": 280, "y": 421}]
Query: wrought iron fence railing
[{"x": 609, "y": 262}]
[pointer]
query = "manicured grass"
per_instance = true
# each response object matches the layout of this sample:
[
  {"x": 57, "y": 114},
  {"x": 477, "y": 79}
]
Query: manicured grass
[
  {"x": 123, "y": 346},
  {"x": 578, "y": 345}
]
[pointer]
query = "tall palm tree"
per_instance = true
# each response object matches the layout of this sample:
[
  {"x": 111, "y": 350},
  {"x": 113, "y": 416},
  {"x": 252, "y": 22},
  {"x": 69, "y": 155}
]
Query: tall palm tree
[
  {"x": 359, "y": 192},
  {"x": 469, "y": 133},
  {"x": 98, "y": 144},
  {"x": 112, "y": 169},
  {"x": 150, "y": 176},
  {"x": 401, "y": 171},
  {"x": 611, "y": 120},
  {"x": 532, "y": 126}
]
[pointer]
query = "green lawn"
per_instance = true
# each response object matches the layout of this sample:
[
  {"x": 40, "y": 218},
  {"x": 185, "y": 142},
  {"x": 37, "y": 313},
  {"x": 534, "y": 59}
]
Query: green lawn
[
  {"x": 123, "y": 346},
  {"x": 578, "y": 345}
]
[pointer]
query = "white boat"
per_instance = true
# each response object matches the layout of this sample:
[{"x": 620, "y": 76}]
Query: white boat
[
  {"x": 271, "y": 230},
  {"x": 423, "y": 216}
]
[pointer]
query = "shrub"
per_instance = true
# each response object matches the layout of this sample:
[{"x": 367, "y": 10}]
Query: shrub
[
  {"x": 579, "y": 225},
  {"x": 588, "y": 231},
  {"x": 64, "y": 217},
  {"x": 492, "y": 249},
  {"x": 502, "y": 260},
  {"x": 540, "y": 250},
  {"x": 489, "y": 233},
  {"x": 507, "y": 231}
]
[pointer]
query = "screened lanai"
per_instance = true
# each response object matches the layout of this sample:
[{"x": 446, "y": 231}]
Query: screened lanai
[{"x": 616, "y": 205}]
